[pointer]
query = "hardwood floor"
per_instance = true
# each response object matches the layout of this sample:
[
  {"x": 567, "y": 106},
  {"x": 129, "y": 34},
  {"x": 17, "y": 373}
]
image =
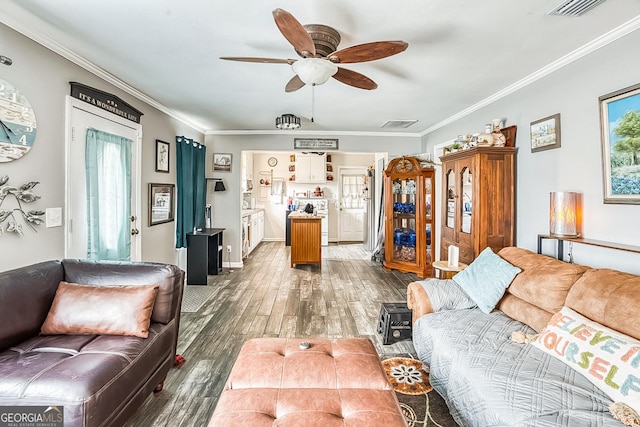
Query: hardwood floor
[{"x": 267, "y": 298}]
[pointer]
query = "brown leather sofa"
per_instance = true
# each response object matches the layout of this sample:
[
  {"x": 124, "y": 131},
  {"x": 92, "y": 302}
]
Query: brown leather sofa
[{"x": 100, "y": 380}]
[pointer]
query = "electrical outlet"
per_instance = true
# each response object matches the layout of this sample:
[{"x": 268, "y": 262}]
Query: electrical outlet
[{"x": 229, "y": 248}]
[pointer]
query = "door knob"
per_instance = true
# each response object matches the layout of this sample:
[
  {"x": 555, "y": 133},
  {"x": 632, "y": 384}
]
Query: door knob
[
  {"x": 133, "y": 218},
  {"x": 134, "y": 231}
]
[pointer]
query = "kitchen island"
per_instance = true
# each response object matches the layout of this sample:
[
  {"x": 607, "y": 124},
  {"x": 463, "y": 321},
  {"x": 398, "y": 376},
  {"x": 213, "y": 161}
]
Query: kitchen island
[{"x": 306, "y": 241}]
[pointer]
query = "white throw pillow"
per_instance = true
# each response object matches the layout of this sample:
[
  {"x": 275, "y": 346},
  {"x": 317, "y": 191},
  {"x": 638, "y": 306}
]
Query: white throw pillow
[{"x": 607, "y": 358}]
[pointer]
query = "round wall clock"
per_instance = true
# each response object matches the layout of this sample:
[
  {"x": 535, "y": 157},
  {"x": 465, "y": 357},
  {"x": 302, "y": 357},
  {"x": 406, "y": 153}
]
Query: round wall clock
[
  {"x": 17, "y": 123},
  {"x": 272, "y": 161}
]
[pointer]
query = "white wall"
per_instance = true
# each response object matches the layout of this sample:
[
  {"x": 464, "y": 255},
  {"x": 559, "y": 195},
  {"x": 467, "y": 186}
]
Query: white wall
[
  {"x": 577, "y": 165},
  {"x": 43, "y": 77},
  {"x": 227, "y": 206}
]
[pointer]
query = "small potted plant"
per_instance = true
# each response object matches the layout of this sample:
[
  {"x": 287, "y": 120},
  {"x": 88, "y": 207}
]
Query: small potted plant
[{"x": 455, "y": 147}]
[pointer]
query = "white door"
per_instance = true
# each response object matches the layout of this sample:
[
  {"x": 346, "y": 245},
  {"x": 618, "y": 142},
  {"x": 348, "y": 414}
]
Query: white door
[
  {"x": 80, "y": 117},
  {"x": 352, "y": 204}
]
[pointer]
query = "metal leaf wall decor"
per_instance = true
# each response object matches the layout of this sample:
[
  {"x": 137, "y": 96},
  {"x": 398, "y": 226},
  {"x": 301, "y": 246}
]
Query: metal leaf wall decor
[{"x": 18, "y": 195}]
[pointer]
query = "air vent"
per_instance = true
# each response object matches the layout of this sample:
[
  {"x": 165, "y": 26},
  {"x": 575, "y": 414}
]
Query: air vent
[
  {"x": 575, "y": 7},
  {"x": 398, "y": 124}
]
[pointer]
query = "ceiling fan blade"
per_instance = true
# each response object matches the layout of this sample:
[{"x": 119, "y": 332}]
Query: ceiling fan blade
[
  {"x": 294, "y": 32},
  {"x": 263, "y": 60},
  {"x": 294, "y": 84},
  {"x": 354, "y": 79},
  {"x": 368, "y": 52}
]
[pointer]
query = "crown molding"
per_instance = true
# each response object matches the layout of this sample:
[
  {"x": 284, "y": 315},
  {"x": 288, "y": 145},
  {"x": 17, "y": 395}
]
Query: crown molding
[{"x": 586, "y": 49}]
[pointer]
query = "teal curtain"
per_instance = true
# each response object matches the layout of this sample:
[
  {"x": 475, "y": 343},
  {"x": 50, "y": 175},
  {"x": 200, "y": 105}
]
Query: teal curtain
[
  {"x": 191, "y": 188},
  {"x": 108, "y": 176}
]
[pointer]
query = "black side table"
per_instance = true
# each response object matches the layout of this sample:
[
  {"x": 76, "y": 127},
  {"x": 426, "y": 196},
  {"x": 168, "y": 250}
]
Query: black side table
[
  {"x": 395, "y": 322},
  {"x": 204, "y": 255}
]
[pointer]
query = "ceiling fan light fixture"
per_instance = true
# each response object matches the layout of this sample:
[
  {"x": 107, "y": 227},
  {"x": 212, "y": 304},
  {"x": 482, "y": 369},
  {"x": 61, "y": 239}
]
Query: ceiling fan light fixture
[
  {"x": 288, "y": 122},
  {"x": 314, "y": 71}
]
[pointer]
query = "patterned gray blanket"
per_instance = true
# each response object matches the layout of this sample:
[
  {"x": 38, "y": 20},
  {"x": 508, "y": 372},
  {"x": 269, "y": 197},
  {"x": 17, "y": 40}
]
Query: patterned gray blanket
[{"x": 489, "y": 380}]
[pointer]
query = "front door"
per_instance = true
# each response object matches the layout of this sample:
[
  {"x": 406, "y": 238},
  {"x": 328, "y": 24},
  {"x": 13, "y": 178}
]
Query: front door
[
  {"x": 352, "y": 204},
  {"x": 81, "y": 117}
]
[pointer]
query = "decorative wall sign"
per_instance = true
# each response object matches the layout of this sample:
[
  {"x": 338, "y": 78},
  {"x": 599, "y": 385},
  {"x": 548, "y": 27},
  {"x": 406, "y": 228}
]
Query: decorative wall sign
[
  {"x": 105, "y": 101},
  {"x": 315, "y": 144},
  {"x": 620, "y": 133},
  {"x": 17, "y": 123}
]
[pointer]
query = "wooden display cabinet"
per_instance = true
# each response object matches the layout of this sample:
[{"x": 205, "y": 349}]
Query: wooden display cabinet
[
  {"x": 478, "y": 199},
  {"x": 409, "y": 216}
]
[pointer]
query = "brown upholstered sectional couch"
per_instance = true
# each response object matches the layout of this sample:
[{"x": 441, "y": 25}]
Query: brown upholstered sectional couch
[{"x": 100, "y": 380}]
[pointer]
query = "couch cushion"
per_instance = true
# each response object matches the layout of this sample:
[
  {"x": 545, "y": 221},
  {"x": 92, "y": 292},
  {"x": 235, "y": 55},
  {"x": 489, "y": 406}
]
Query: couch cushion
[
  {"x": 489, "y": 380},
  {"x": 607, "y": 358},
  {"x": 116, "y": 273},
  {"x": 106, "y": 310},
  {"x": 609, "y": 297},
  {"x": 543, "y": 285},
  {"x": 486, "y": 278},
  {"x": 26, "y": 294}
]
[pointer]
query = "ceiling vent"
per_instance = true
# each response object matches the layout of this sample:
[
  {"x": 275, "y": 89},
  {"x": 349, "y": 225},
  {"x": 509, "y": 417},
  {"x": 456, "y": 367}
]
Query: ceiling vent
[
  {"x": 398, "y": 124},
  {"x": 575, "y": 7}
]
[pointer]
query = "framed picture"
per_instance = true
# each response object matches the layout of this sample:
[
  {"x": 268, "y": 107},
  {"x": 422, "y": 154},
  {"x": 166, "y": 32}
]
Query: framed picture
[
  {"x": 161, "y": 203},
  {"x": 545, "y": 133},
  {"x": 222, "y": 162},
  {"x": 162, "y": 156},
  {"x": 620, "y": 135}
]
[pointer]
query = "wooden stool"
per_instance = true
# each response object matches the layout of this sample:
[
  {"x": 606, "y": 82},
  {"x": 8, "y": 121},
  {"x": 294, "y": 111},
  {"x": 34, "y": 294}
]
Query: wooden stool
[{"x": 445, "y": 270}]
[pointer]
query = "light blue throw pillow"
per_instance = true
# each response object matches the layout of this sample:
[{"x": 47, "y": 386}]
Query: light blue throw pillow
[{"x": 486, "y": 279}]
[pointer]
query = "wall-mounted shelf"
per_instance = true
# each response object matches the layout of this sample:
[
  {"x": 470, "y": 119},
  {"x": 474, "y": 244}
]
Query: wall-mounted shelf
[{"x": 592, "y": 242}]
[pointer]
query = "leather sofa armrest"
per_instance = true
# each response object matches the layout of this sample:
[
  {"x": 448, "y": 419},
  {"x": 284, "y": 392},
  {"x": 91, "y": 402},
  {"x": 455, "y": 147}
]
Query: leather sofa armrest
[{"x": 418, "y": 301}]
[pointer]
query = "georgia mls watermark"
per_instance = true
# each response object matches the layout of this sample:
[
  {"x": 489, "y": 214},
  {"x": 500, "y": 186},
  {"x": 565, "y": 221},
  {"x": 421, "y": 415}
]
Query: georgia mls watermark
[{"x": 31, "y": 416}]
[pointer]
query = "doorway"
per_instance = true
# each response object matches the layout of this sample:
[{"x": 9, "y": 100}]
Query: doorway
[
  {"x": 80, "y": 117},
  {"x": 351, "y": 196}
]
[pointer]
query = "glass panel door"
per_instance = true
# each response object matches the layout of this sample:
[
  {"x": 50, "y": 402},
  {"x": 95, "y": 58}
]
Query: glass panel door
[
  {"x": 451, "y": 199},
  {"x": 466, "y": 204},
  {"x": 428, "y": 212},
  {"x": 404, "y": 220}
]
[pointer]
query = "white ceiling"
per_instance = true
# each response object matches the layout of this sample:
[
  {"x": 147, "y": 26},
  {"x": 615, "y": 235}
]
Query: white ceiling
[{"x": 461, "y": 53}]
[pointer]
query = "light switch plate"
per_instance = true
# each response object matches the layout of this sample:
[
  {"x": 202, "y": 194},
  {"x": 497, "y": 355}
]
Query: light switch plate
[{"x": 53, "y": 217}]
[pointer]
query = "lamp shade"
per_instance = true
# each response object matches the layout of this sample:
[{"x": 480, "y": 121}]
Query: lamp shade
[
  {"x": 219, "y": 186},
  {"x": 563, "y": 214},
  {"x": 314, "y": 70}
]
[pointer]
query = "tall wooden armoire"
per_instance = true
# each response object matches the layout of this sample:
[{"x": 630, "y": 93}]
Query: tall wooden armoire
[{"x": 478, "y": 201}]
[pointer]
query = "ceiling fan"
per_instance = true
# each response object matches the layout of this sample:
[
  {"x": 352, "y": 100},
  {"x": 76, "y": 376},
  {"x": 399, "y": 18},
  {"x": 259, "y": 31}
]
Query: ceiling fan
[{"x": 317, "y": 44}]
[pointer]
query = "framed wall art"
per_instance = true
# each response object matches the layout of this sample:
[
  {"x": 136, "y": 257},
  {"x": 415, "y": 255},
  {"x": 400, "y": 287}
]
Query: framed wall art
[
  {"x": 161, "y": 203},
  {"x": 222, "y": 162},
  {"x": 162, "y": 156},
  {"x": 545, "y": 133},
  {"x": 620, "y": 136}
]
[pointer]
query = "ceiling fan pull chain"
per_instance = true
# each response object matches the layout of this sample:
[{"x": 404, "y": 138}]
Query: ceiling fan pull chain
[{"x": 313, "y": 101}]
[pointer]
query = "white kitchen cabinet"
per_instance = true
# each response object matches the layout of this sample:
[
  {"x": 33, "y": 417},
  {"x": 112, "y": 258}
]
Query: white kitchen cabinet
[
  {"x": 311, "y": 168},
  {"x": 256, "y": 229}
]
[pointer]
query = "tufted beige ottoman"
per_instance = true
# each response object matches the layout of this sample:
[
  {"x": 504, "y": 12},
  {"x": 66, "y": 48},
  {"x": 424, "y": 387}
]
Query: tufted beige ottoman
[{"x": 337, "y": 382}]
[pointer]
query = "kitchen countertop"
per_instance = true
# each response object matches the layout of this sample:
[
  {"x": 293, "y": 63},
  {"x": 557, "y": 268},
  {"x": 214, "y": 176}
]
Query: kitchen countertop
[
  {"x": 247, "y": 212},
  {"x": 298, "y": 214}
]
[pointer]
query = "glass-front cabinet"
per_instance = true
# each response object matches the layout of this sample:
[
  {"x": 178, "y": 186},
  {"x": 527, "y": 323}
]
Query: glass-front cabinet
[
  {"x": 478, "y": 191},
  {"x": 409, "y": 221}
]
